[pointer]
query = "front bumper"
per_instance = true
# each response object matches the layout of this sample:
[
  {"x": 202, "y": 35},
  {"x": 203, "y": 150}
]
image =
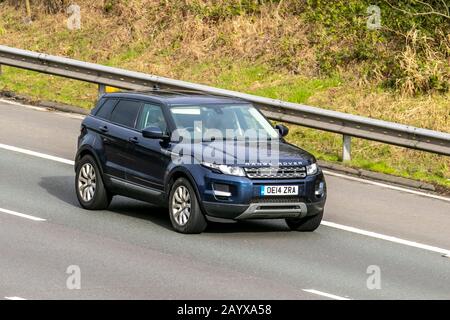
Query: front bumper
[
  {"x": 246, "y": 203},
  {"x": 274, "y": 210},
  {"x": 263, "y": 210}
]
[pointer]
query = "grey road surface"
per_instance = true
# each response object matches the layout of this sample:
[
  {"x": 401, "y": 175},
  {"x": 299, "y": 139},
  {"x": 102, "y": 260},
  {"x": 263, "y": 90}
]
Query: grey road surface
[{"x": 131, "y": 252}]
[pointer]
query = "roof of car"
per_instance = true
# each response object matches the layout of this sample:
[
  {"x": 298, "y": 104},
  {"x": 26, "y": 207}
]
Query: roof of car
[{"x": 173, "y": 97}]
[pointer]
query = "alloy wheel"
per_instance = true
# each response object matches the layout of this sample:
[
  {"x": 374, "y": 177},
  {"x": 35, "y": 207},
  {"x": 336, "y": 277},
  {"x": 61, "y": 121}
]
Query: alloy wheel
[
  {"x": 87, "y": 182},
  {"x": 181, "y": 205}
]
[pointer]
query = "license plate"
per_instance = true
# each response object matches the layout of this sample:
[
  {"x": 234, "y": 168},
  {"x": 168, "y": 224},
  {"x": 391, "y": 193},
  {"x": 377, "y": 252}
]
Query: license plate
[{"x": 279, "y": 190}]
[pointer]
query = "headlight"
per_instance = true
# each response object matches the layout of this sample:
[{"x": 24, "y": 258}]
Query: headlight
[
  {"x": 223, "y": 168},
  {"x": 311, "y": 169}
]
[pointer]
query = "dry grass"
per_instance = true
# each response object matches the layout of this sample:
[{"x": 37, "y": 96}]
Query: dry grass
[
  {"x": 421, "y": 75},
  {"x": 160, "y": 29},
  {"x": 431, "y": 112},
  {"x": 427, "y": 111}
]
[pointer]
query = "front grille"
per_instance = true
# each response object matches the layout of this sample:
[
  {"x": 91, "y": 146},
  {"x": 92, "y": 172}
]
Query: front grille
[{"x": 275, "y": 172}]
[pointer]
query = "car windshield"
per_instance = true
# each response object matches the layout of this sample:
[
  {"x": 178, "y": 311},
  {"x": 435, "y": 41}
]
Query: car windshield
[{"x": 223, "y": 122}]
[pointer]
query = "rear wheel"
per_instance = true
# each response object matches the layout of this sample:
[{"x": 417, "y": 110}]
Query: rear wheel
[
  {"x": 185, "y": 212},
  {"x": 91, "y": 191},
  {"x": 306, "y": 223}
]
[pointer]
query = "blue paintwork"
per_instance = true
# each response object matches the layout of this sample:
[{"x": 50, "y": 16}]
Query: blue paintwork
[{"x": 148, "y": 163}]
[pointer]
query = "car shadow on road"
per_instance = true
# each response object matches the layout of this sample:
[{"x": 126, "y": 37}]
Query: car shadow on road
[
  {"x": 248, "y": 226},
  {"x": 63, "y": 188},
  {"x": 160, "y": 216}
]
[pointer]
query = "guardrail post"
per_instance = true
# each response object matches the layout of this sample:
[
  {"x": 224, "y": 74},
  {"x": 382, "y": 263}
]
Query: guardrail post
[
  {"x": 346, "y": 147},
  {"x": 101, "y": 89}
]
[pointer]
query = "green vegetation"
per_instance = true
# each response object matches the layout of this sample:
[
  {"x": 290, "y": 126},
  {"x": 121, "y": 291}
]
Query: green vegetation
[{"x": 315, "y": 52}]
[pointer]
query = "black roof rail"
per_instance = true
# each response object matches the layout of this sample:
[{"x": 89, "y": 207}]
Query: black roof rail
[
  {"x": 156, "y": 89},
  {"x": 184, "y": 92}
]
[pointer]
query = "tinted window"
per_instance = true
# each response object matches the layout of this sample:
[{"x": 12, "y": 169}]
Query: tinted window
[
  {"x": 97, "y": 106},
  {"x": 125, "y": 113},
  {"x": 105, "y": 110},
  {"x": 152, "y": 116}
]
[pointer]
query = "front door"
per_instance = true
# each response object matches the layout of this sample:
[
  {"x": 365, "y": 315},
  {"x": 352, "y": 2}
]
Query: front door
[{"x": 149, "y": 159}]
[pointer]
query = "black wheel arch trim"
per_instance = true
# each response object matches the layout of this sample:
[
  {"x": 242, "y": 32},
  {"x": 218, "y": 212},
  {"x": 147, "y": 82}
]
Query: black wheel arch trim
[
  {"x": 91, "y": 151},
  {"x": 185, "y": 172}
]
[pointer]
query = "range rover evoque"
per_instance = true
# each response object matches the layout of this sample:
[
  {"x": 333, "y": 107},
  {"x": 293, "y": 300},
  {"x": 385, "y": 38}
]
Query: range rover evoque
[{"x": 131, "y": 145}]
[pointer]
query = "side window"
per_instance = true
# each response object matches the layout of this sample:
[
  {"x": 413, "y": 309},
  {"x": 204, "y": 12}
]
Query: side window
[
  {"x": 97, "y": 106},
  {"x": 152, "y": 116},
  {"x": 105, "y": 109},
  {"x": 125, "y": 113}
]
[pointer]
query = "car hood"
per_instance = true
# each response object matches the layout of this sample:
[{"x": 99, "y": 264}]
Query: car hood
[{"x": 245, "y": 153}]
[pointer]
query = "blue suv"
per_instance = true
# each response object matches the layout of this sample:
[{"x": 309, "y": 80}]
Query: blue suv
[{"x": 191, "y": 153}]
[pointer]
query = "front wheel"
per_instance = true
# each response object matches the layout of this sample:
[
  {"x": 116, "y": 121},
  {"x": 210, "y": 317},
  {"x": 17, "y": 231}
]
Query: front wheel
[
  {"x": 91, "y": 192},
  {"x": 306, "y": 223},
  {"x": 185, "y": 212}
]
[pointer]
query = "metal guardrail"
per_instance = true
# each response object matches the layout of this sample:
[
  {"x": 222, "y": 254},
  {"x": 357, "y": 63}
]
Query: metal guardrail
[{"x": 332, "y": 121}]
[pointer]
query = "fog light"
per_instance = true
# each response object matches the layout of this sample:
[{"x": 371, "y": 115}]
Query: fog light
[
  {"x": 221, "y": 190},
  {"x": 320, "y": 189}
]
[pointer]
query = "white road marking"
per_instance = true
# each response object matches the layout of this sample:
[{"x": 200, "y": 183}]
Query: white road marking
[
  {"x": 70, "y": 162},
  {"x": 384, "y": 185},
  {"x": 22, "y": 215},
  {"x": 387, "y": 238},
  {"x": 14, "y": 298},
  {"x": 326, "y": 223},
  {"x": 331, "y": 173},
  {"x": 324, "y": 294},
  {"x": 36, "y": 154},
  {"x": 69, "y": 115},
  {"x": 14, "y": 103},
  {"x": 43, "y": 109}
]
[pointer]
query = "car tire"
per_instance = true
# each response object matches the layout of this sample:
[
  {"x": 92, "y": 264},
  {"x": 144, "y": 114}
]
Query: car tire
[
  {"x": 307, "y": 224},
  {"x": 89, "y": 186},
  {"x": 184, "y": 209}
]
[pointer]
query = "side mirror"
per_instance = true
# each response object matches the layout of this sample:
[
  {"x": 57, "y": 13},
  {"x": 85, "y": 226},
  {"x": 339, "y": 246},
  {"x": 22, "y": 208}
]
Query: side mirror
[
  {"x": 282, "y": 129},
  {"x": 154, "y": 133}
]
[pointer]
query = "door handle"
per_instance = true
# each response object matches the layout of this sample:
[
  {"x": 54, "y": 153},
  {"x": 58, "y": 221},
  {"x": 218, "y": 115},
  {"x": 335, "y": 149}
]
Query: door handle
[
  {"x": 134, "y": 140},
  {"x": 103, "y": 129}
]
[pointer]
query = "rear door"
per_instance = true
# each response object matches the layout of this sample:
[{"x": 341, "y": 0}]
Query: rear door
[{"x": 115, "y": 133}]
